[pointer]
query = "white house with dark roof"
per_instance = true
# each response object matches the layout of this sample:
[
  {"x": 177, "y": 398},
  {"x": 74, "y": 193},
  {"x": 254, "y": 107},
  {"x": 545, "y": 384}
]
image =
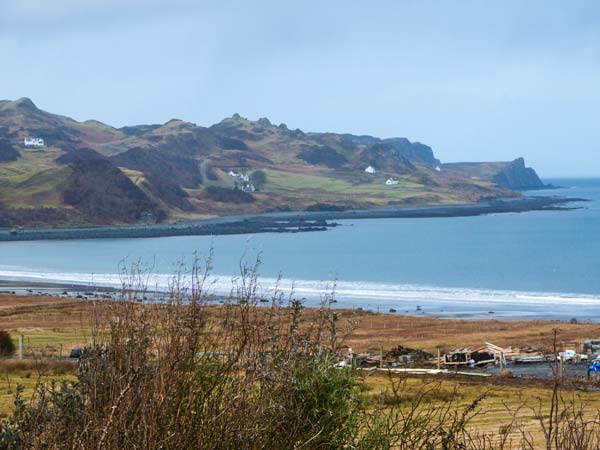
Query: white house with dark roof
[{"x": 33, "y": 142}]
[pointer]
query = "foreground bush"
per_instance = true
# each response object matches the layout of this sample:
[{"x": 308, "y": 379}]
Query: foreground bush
[{"x": 171, "y": 376}]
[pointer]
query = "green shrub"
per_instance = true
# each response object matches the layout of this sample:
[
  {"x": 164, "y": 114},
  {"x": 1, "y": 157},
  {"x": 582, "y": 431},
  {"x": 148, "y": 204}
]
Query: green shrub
[{"x": 7, "y": 346}]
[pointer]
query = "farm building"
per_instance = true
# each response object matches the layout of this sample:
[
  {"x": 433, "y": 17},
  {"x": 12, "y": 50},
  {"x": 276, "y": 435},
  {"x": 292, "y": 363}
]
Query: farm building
[
  {"x": 33, "y": 142},
  {"x": 242, "y": 176}
]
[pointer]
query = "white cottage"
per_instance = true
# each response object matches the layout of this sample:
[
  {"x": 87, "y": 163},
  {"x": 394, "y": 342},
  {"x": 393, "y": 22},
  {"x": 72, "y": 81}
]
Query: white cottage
[
  {"x": 370, "y": 169},
  {"x": 33, "y": 142},
  {"x": 391, "y": 182},
  {"x": 242, "y": 176}
]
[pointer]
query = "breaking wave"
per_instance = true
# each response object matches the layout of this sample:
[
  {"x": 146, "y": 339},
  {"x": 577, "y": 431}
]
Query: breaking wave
[{"x": 405, "y": 298}]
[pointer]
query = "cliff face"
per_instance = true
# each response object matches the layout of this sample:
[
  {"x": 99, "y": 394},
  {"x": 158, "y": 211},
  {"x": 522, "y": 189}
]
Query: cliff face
[
  {"x": 516, "y": 175},
  {"x": 511, "y": 175},
  {"x": 414, "y": 151}
]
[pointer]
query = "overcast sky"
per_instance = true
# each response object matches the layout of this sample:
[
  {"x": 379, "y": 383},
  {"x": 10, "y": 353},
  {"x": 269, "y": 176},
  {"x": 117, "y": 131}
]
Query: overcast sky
[{"x": 475, "y": 80}]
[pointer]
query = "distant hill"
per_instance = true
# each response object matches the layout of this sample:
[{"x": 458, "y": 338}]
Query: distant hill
[{"x": 92, "y": 173}]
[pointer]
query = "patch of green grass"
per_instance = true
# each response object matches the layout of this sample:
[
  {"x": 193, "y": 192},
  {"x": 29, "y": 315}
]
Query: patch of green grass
[
  {"x": 8, "y": 385},
  {"x": 51, "y": 343},
  {"x": 28, "y": 378},
  {"x": 33, "y": 180},
  {"x": 347, "y": 186}
]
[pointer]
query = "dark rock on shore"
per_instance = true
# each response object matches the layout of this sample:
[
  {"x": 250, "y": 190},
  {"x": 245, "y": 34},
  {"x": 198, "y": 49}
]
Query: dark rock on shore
[{"x": 289, "y": 222}]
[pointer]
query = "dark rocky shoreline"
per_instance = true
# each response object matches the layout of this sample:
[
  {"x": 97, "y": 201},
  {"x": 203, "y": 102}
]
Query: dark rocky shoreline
[{"x": 289, "y": 222}]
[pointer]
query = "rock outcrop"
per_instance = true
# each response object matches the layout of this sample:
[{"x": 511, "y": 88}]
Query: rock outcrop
[
  {"x": 516, "y": 175},
  {"x": 512, "y": 175}
]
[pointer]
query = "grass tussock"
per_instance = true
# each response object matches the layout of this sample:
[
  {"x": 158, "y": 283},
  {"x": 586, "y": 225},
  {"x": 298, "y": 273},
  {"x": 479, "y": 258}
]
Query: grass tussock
[{"x": 41, "y": 366}]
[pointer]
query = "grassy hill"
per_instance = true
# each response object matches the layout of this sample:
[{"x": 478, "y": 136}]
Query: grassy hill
[{"x": 91, "y": 173}]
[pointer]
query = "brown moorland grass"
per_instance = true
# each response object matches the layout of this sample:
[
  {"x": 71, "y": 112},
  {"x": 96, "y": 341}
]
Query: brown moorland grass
[
  {"x": 46, "y": 320},
  {"x": 389, "y": 330}
]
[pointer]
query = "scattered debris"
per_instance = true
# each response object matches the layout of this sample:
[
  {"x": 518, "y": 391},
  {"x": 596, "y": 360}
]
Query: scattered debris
[
  {"x": 409, "y": 355},
  {"x": 591, "y": 346},
  {"x": 529, "y": 358},
  {"x": 417, "y": 371},
  {"x": 395, "y": 357}
]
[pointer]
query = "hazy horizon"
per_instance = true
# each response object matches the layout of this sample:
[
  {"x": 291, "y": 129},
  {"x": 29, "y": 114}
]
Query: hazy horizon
[{"x": 474, "y": 81}]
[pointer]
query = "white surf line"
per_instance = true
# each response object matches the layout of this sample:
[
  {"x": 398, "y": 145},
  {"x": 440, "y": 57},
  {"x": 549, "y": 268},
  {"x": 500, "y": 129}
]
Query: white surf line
[{"x": 346, "y": 291}]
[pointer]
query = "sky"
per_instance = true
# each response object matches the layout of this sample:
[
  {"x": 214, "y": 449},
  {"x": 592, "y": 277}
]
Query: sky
[{"x": 475, "y": 80}]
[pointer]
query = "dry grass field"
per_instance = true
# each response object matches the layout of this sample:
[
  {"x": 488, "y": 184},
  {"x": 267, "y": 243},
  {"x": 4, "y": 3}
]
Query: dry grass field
[
  {"x": 502, "y": 401},
  {"x": 52, "y": 325},
  {"x": 52, "y": 321},
  {"x": 388, "y": 330}
]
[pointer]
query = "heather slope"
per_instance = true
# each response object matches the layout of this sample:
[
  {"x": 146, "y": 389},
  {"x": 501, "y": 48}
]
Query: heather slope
[{"x": 181, "y": 170}]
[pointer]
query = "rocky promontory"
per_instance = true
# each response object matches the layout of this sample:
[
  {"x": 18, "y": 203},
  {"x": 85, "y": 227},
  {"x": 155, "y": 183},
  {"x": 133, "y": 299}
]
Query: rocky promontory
[{"x": 514, "y": 175}]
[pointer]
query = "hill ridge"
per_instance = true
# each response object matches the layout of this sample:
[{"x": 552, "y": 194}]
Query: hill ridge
[{"x": 176, "y": 167}]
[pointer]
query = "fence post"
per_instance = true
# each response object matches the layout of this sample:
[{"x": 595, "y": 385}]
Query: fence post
[
  {"x": 562, "y": 361},
  {"x": 20, "y": 346}
]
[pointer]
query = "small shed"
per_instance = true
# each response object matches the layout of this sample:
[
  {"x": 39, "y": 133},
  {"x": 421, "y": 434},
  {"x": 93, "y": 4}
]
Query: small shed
[{"x": 486, "y": 354}]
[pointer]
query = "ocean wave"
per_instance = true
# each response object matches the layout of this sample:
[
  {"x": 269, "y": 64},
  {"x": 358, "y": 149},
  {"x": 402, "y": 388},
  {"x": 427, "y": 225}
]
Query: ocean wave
[{"x": 346, "y": 292}]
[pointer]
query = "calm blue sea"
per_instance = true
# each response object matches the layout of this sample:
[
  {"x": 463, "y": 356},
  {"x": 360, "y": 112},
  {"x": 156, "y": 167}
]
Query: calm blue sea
[{"x": 536, "y": 264}]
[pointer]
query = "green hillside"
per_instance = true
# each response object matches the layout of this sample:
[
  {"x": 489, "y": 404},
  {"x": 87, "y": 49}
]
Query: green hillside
[{"x": 91, "y": 173}]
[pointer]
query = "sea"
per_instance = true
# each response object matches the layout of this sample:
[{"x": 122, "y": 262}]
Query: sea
[{"x": 533, "y": 265}]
